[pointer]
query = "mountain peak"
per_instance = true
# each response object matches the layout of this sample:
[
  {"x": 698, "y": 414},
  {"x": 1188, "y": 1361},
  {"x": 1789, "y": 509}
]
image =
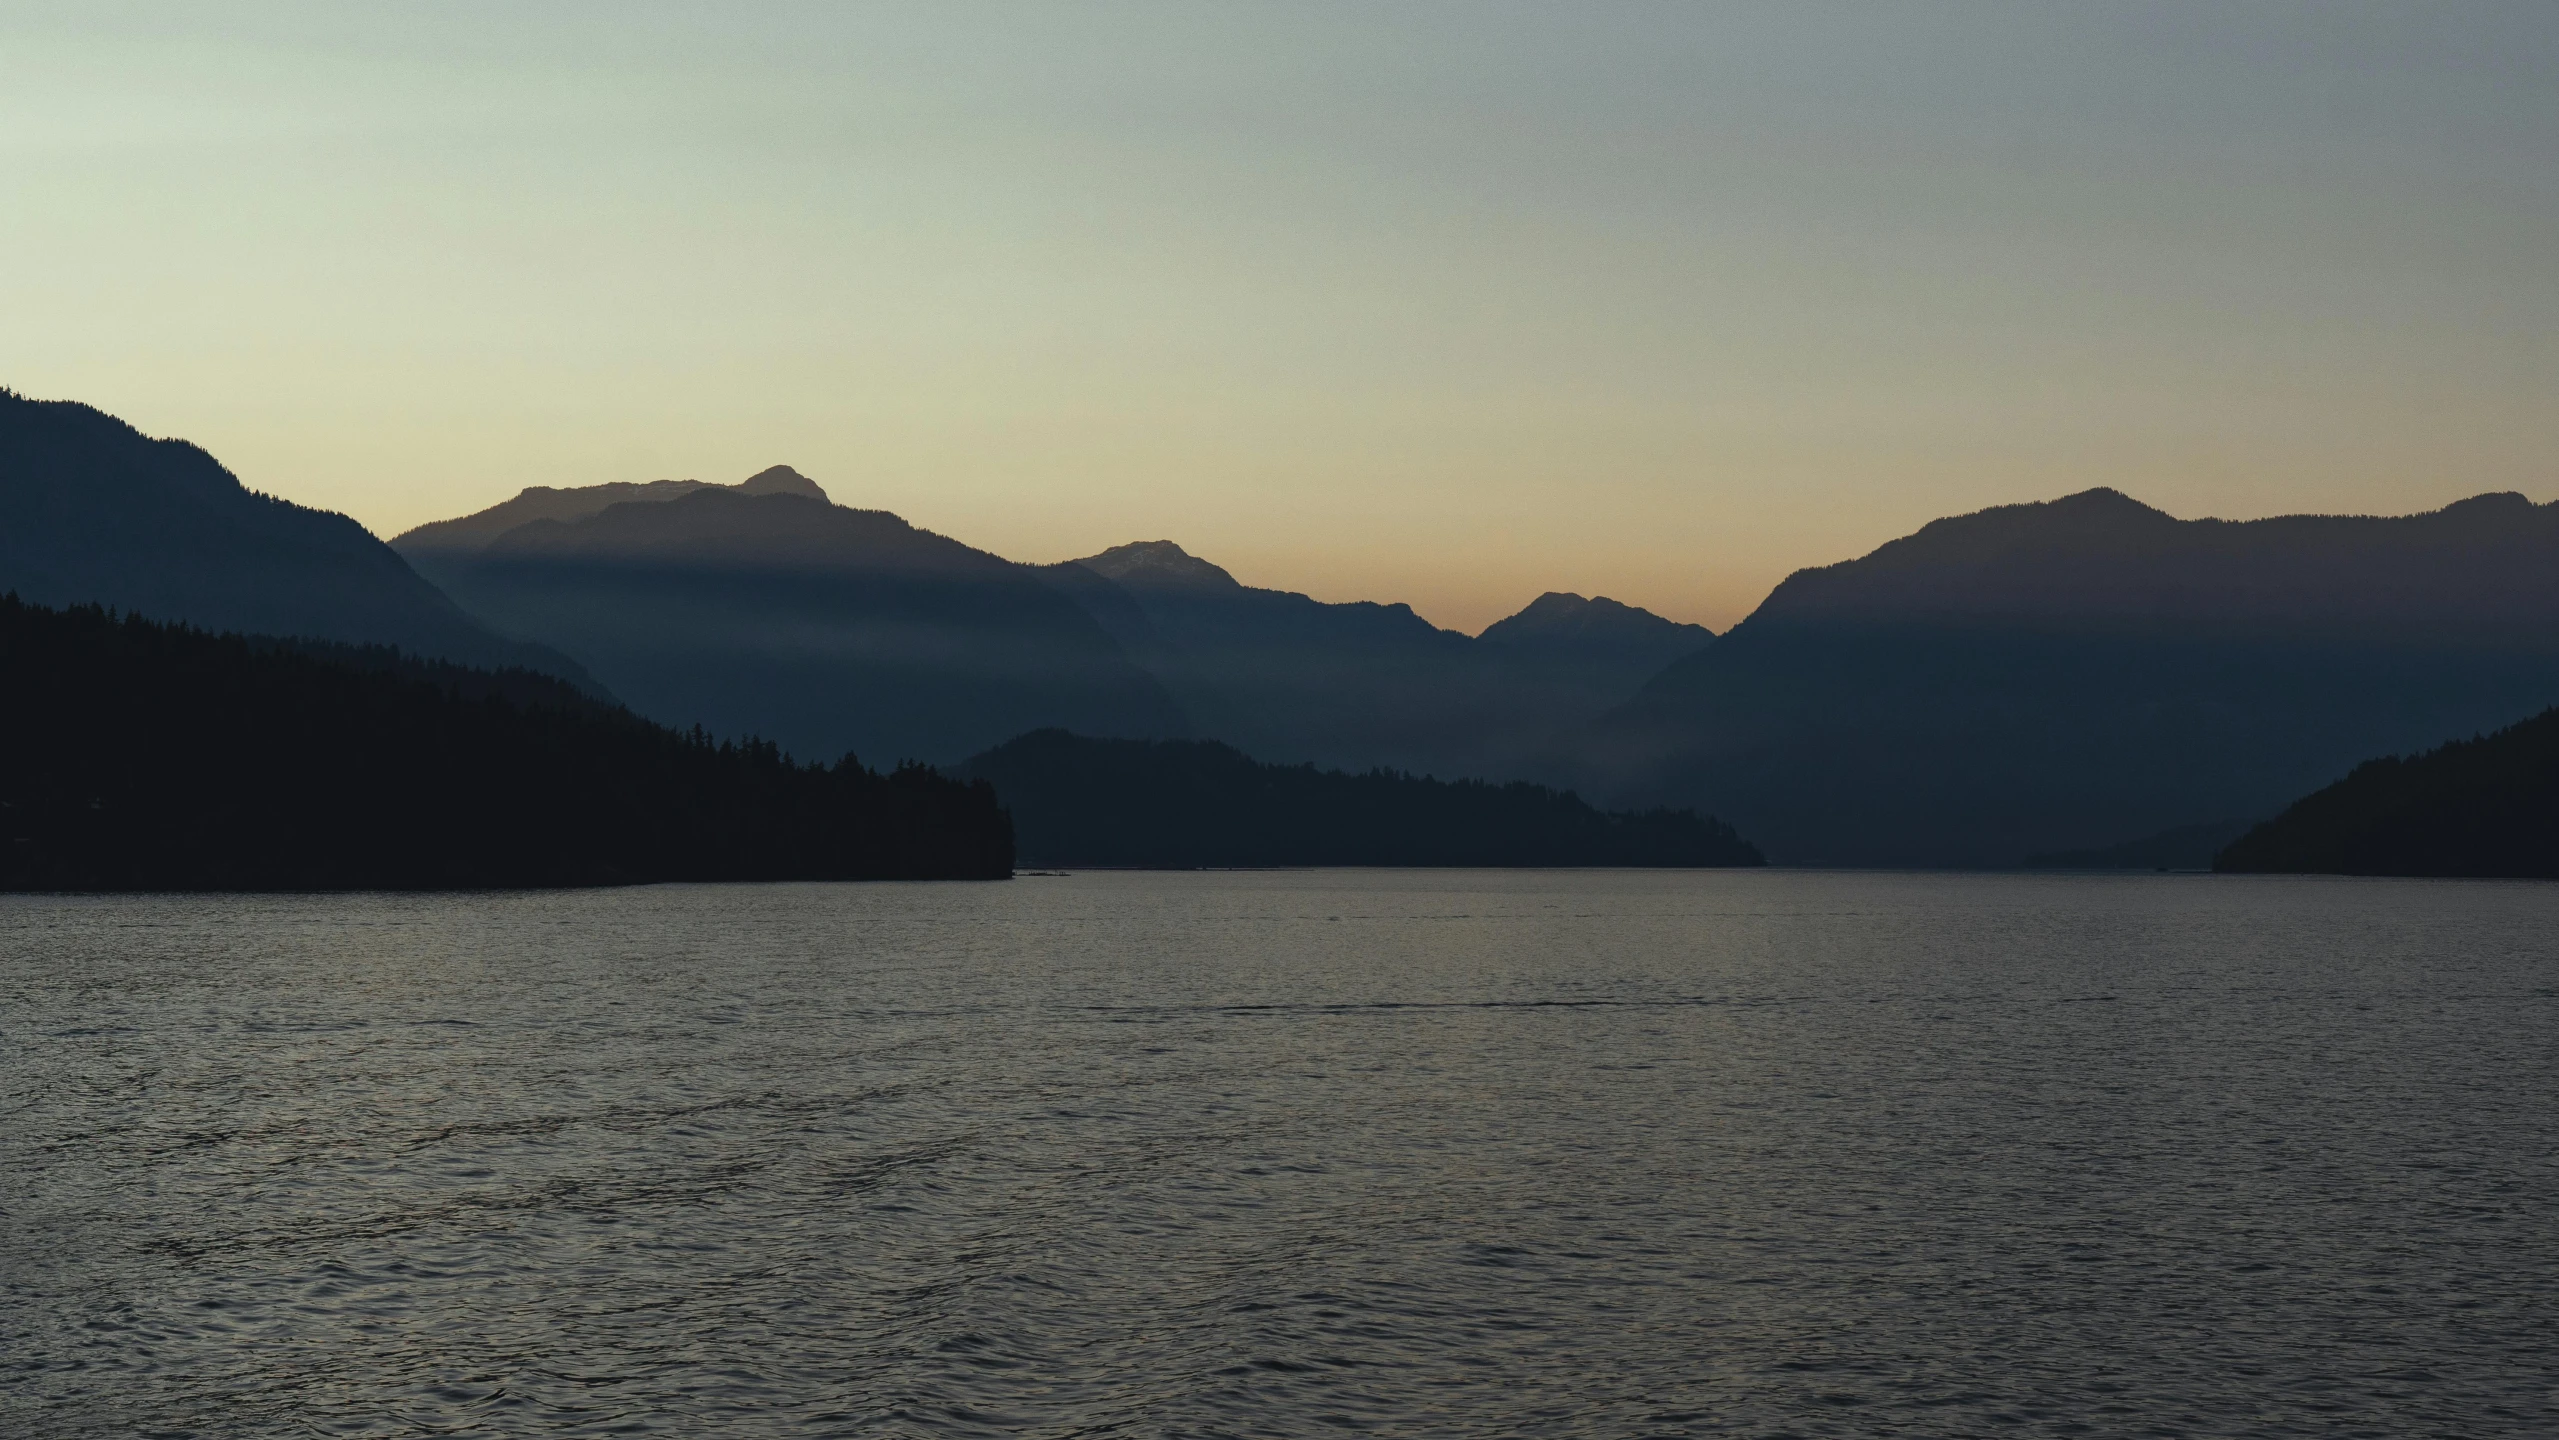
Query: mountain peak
[
  {"x": 2103, "y": 510},
  {"x": 1560, "y": 615},
  {"x": 779, "y": 480},
  {"x": 2494, "y": 507},
  {"x": 568, "y": 506},
  {"x": 2102, "y": 497},
  {"x": 1560, "y": 610},
  {"x": 1157, "y": 562},
  {"x": 1558, "y": 603}
]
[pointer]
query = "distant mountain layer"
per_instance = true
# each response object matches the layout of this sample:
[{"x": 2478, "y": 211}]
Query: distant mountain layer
[
  {"x": 2046, "y": 677},
  {"x": 765, "y": 608},
  {"x": 2487, "y": 807},
  {"x": 93, "y": 511},
  {"x": 1361, "y": 684},
  {"x": 1185, "y": 804},
  {"x": 2184, "y": 847},
  {"x": 162, "y": 757}
]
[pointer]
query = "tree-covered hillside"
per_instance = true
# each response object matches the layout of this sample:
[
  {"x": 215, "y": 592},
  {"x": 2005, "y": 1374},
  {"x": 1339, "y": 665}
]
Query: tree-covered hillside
[
  {"x": 137, "y": 755},
  {"x": 2482, "y": 807}
]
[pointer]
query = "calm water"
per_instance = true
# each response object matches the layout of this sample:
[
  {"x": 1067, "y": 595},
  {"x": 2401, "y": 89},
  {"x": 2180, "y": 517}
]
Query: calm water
[{"x": 1287, "y": 1154}]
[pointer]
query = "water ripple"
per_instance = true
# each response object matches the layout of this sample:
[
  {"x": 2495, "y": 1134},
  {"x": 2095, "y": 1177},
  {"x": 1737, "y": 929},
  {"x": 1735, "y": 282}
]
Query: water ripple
[{"x": 1270, "y": 1155}]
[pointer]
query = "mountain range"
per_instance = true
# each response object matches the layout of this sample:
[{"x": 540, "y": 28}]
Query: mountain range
[
  {"x": 2083, "y": 677},
  {"x": 765, "y": 607}
]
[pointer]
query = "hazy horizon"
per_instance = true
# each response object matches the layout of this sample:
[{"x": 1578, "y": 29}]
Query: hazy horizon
[{"x": 1448, "y": 305}]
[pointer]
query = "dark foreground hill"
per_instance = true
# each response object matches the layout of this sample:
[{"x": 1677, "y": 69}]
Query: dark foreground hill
[
  {"x": 93, "y": 511},
  {"x": 1187, "y": 803},
  {"x": 2051, "y": 677},
  {"x": 2482, "y": 807},
  {"x": 135, "y": 755},
  {"x": 762, "y": 607}
]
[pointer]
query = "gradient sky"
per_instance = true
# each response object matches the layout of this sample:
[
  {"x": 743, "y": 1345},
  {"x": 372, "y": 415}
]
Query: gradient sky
[{"x": 1446, "y": 303}]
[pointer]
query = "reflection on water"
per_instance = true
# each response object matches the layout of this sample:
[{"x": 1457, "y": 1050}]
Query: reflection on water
[{"x": 1280, "y": 1154}]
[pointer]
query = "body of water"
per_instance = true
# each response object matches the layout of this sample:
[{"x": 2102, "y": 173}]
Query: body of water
[{"x": 1285, "y": 1154}]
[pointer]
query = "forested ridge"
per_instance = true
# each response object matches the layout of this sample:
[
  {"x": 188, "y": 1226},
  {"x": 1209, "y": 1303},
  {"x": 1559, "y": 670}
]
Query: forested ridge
[
  {"x": 141, "y": 755},
  {"x": 2483, "y": 807},
  {"x": 1077, "y": 800}
]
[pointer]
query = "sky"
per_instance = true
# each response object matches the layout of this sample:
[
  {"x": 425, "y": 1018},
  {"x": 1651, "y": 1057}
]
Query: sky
[{"x": 1446, "y": 303}]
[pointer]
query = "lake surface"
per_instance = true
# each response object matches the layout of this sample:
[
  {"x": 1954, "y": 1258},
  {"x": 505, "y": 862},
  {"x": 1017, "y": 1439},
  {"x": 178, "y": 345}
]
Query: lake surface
[{"x": 1397, "y": 1153}]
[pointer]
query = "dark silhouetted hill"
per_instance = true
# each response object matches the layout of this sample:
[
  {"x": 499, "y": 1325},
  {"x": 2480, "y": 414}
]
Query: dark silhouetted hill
[
  {"x": 1184, "y": 804},
  {"x": 2485, "y": 807},
  {"x": 765, "y": 608},
  {"x": 135, "y": 755},
  {"x": 1363, "y": 684},
  {"x": 94, "y": 512},
  {"x": 2047, "y": 677}
]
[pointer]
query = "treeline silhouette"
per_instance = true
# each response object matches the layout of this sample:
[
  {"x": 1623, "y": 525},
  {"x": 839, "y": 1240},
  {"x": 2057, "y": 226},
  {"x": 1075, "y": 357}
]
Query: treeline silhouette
[
  {"x": 140, "y": 755},
  {"x": 2485, "y": 807},
  {"x": 1190, "y": 803}
]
